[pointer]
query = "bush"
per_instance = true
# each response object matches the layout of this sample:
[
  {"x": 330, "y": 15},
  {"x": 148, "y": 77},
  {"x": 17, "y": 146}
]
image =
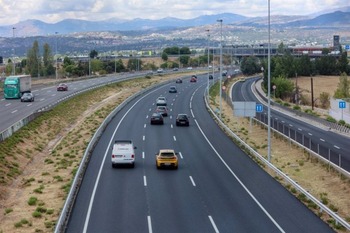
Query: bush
[
  {"x": 341, "y": 122},
  {"x": 296, "y": 107},
  {"x": 32, "y": 201},
  {"x": 331, "y": 119}
]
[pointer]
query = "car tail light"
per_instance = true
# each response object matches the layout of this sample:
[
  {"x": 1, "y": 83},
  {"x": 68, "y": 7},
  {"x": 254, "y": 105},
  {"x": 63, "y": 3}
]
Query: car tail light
[
  {"x": 113, "y": 156},
  {"x": 132, "y": 156}
]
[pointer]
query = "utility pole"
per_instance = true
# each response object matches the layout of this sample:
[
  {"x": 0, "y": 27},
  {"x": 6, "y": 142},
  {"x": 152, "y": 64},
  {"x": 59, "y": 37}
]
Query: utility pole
[
  {"x": 208, "y": 60},
  {"x": 269, "y": 90},
  {"x": 220, "y": 79},
  {"x": 56, "y": 57}
]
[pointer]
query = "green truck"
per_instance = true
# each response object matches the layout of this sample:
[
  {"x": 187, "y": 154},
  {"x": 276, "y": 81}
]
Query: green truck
[{"x": 16, "y": 85}]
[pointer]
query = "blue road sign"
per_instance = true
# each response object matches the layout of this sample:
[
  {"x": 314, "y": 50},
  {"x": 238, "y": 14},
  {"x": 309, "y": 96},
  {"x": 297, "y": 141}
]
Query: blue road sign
[
  {"x": 347, "y": 47},
  {"x": 342, "y": 104},
  {"x": 259, "y": 108}
]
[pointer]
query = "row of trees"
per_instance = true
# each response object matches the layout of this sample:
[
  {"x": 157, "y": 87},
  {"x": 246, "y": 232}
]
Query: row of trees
[
  {"x": 37, "y": 66},
  {"x": 287, "y": 66}
]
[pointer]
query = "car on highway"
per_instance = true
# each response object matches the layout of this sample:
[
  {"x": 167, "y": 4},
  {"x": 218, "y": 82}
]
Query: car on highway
[
  {"x": 175, "y": 69},
  {"x": 157, "y": 119},
  {"x": 160, "y": 70},
  {"x": 172, "y": 89},
  {"x": 27, "y": 97},
  {"x": 123, "y": 153},
  {"x": 182, "y": 120},
  {"x": 162, "y": 110},
  {"x": 62, "y": 87},
  {"x": 189, "y": 68},
  {"x": 179, "y": 80},
  {"x": 161, "y": 101},
  {"x": 211, "y": 76},
  {"x": 193, "y": 79},
  {"x": 167, "y": 158}
]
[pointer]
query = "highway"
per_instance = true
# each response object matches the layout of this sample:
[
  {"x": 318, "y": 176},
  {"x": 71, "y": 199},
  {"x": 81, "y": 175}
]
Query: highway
[
  {"x": 217, "y": 187},
  {"x": 329, "y": 144},
  {"x": 13, "y": 110}
]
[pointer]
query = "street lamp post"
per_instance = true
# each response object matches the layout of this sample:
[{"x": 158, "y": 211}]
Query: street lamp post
[
  {"x": 220, "y": 70},
  {"x": 208, "y": 61},
  {"x": 56, "y": 73},
  {"x": 269, "y": 89},
  {"x": 13, "y": 62}
]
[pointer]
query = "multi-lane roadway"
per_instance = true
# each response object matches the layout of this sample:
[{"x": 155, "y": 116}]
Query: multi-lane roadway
[{"x": 217, "y": 187}]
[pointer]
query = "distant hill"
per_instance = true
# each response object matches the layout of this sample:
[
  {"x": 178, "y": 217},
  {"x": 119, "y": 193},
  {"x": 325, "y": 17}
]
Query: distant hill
[{"x": 67, "y": 26}]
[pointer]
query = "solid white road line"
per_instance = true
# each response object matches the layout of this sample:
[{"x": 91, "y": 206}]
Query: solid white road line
[{"x": 213, "y": 224}]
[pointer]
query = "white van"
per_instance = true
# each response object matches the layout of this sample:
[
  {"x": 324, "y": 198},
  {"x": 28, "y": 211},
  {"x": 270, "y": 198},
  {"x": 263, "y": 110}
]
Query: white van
[{"x": 123, "y": 153}]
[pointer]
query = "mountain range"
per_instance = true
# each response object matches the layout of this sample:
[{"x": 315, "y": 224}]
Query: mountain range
[{"x": 68, "y": 26}]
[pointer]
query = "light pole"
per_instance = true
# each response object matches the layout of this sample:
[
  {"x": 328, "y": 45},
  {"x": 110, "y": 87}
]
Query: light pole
[
  {"x": 220, "y": 70},
  {"x": 56, "y": 58},
  {"x": 208, "y": 61},
  {"x": 13, "y": 62},
  {"x": 269, "y": 90}
]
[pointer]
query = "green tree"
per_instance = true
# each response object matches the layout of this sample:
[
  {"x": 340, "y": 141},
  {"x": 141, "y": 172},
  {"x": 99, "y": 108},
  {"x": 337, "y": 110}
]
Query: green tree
[
  {"x": 250, "y": 65},
  {"x": 284, "y": 87},
  {"x": 343, "y": 63},
  {"x": 67, "y": 62},
  {"x": 164, "y": 56},
  {"x": 33, "y": 60},
  {"x": 93, "y": 54},
  {"x": 326, "y": 65},
  {"x": 343, "y": 90},
  {"x": 134, "y": 64},
  {"x": 48, "y": 68},
  {"x": 185, "y": 50},
  {"x": 184, "y": 60}
]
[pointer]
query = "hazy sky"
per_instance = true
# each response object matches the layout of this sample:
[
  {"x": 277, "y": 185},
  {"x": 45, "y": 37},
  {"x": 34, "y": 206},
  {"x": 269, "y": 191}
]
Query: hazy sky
[{"x": 52, "y": 11}]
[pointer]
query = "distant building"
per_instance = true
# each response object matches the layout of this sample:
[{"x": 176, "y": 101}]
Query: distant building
[{"x": 336, "y": 42}]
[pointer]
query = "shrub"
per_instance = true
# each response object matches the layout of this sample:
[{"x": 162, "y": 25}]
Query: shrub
[
  {"x": 32, "y": 201},
  {"x": 331, "y": 119},
  {"x": 296, "y": 107},
  {"x": 36, "y": 214}
]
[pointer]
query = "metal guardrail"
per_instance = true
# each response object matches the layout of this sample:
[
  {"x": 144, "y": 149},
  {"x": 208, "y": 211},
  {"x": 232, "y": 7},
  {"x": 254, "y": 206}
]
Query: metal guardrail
[
  {"x": 318, "y": 156},
  {"x": 24, "y": 121},
  {"x": 300, "y": 189},
  {"x": 324, "y": 122}
]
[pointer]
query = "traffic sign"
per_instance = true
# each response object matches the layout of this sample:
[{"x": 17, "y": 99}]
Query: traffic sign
[
  {"x": 259, "y": 108},
  {"x": 342, "y": 104},
  {"x": 347, "y": 47}
]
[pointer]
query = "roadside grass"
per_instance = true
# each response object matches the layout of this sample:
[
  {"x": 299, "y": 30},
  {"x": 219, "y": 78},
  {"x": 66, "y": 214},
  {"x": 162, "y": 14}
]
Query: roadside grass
[
  {"x": 327, "y": 185},
  {"x": 38, "y": 162}
]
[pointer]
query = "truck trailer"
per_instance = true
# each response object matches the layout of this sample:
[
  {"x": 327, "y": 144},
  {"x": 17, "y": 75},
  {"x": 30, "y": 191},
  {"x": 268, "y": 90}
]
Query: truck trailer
[{"x": 15, "y": 86}]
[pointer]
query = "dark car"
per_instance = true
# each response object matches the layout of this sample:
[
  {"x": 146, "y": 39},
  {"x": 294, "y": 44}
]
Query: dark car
[
  {"x": 62, "y": 87},
  {"x": 27, "y": 97},
  {"x": 182, "y": 119},
  {"x": 210, "y": 76},
  {"x": 193, "y": 79},
  {"x": 172, "y": 89},
  {"x": 157, "y": 118},
  {"x": 178, "y": 80}
]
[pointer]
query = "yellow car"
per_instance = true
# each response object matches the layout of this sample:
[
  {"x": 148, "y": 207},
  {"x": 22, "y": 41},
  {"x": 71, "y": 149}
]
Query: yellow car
[{"x": 166, "y": 158}]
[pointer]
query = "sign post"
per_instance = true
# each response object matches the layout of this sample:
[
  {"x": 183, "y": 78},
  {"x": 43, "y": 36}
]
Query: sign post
[{"x": 342, "y": 105}]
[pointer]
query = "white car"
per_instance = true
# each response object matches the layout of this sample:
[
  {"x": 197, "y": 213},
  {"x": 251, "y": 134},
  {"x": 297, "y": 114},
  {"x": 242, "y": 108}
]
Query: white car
[
  {"x": 161, "y": 101},
  {"x": 160, "y": 70},
  {"x": 123, "y": 153}
]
